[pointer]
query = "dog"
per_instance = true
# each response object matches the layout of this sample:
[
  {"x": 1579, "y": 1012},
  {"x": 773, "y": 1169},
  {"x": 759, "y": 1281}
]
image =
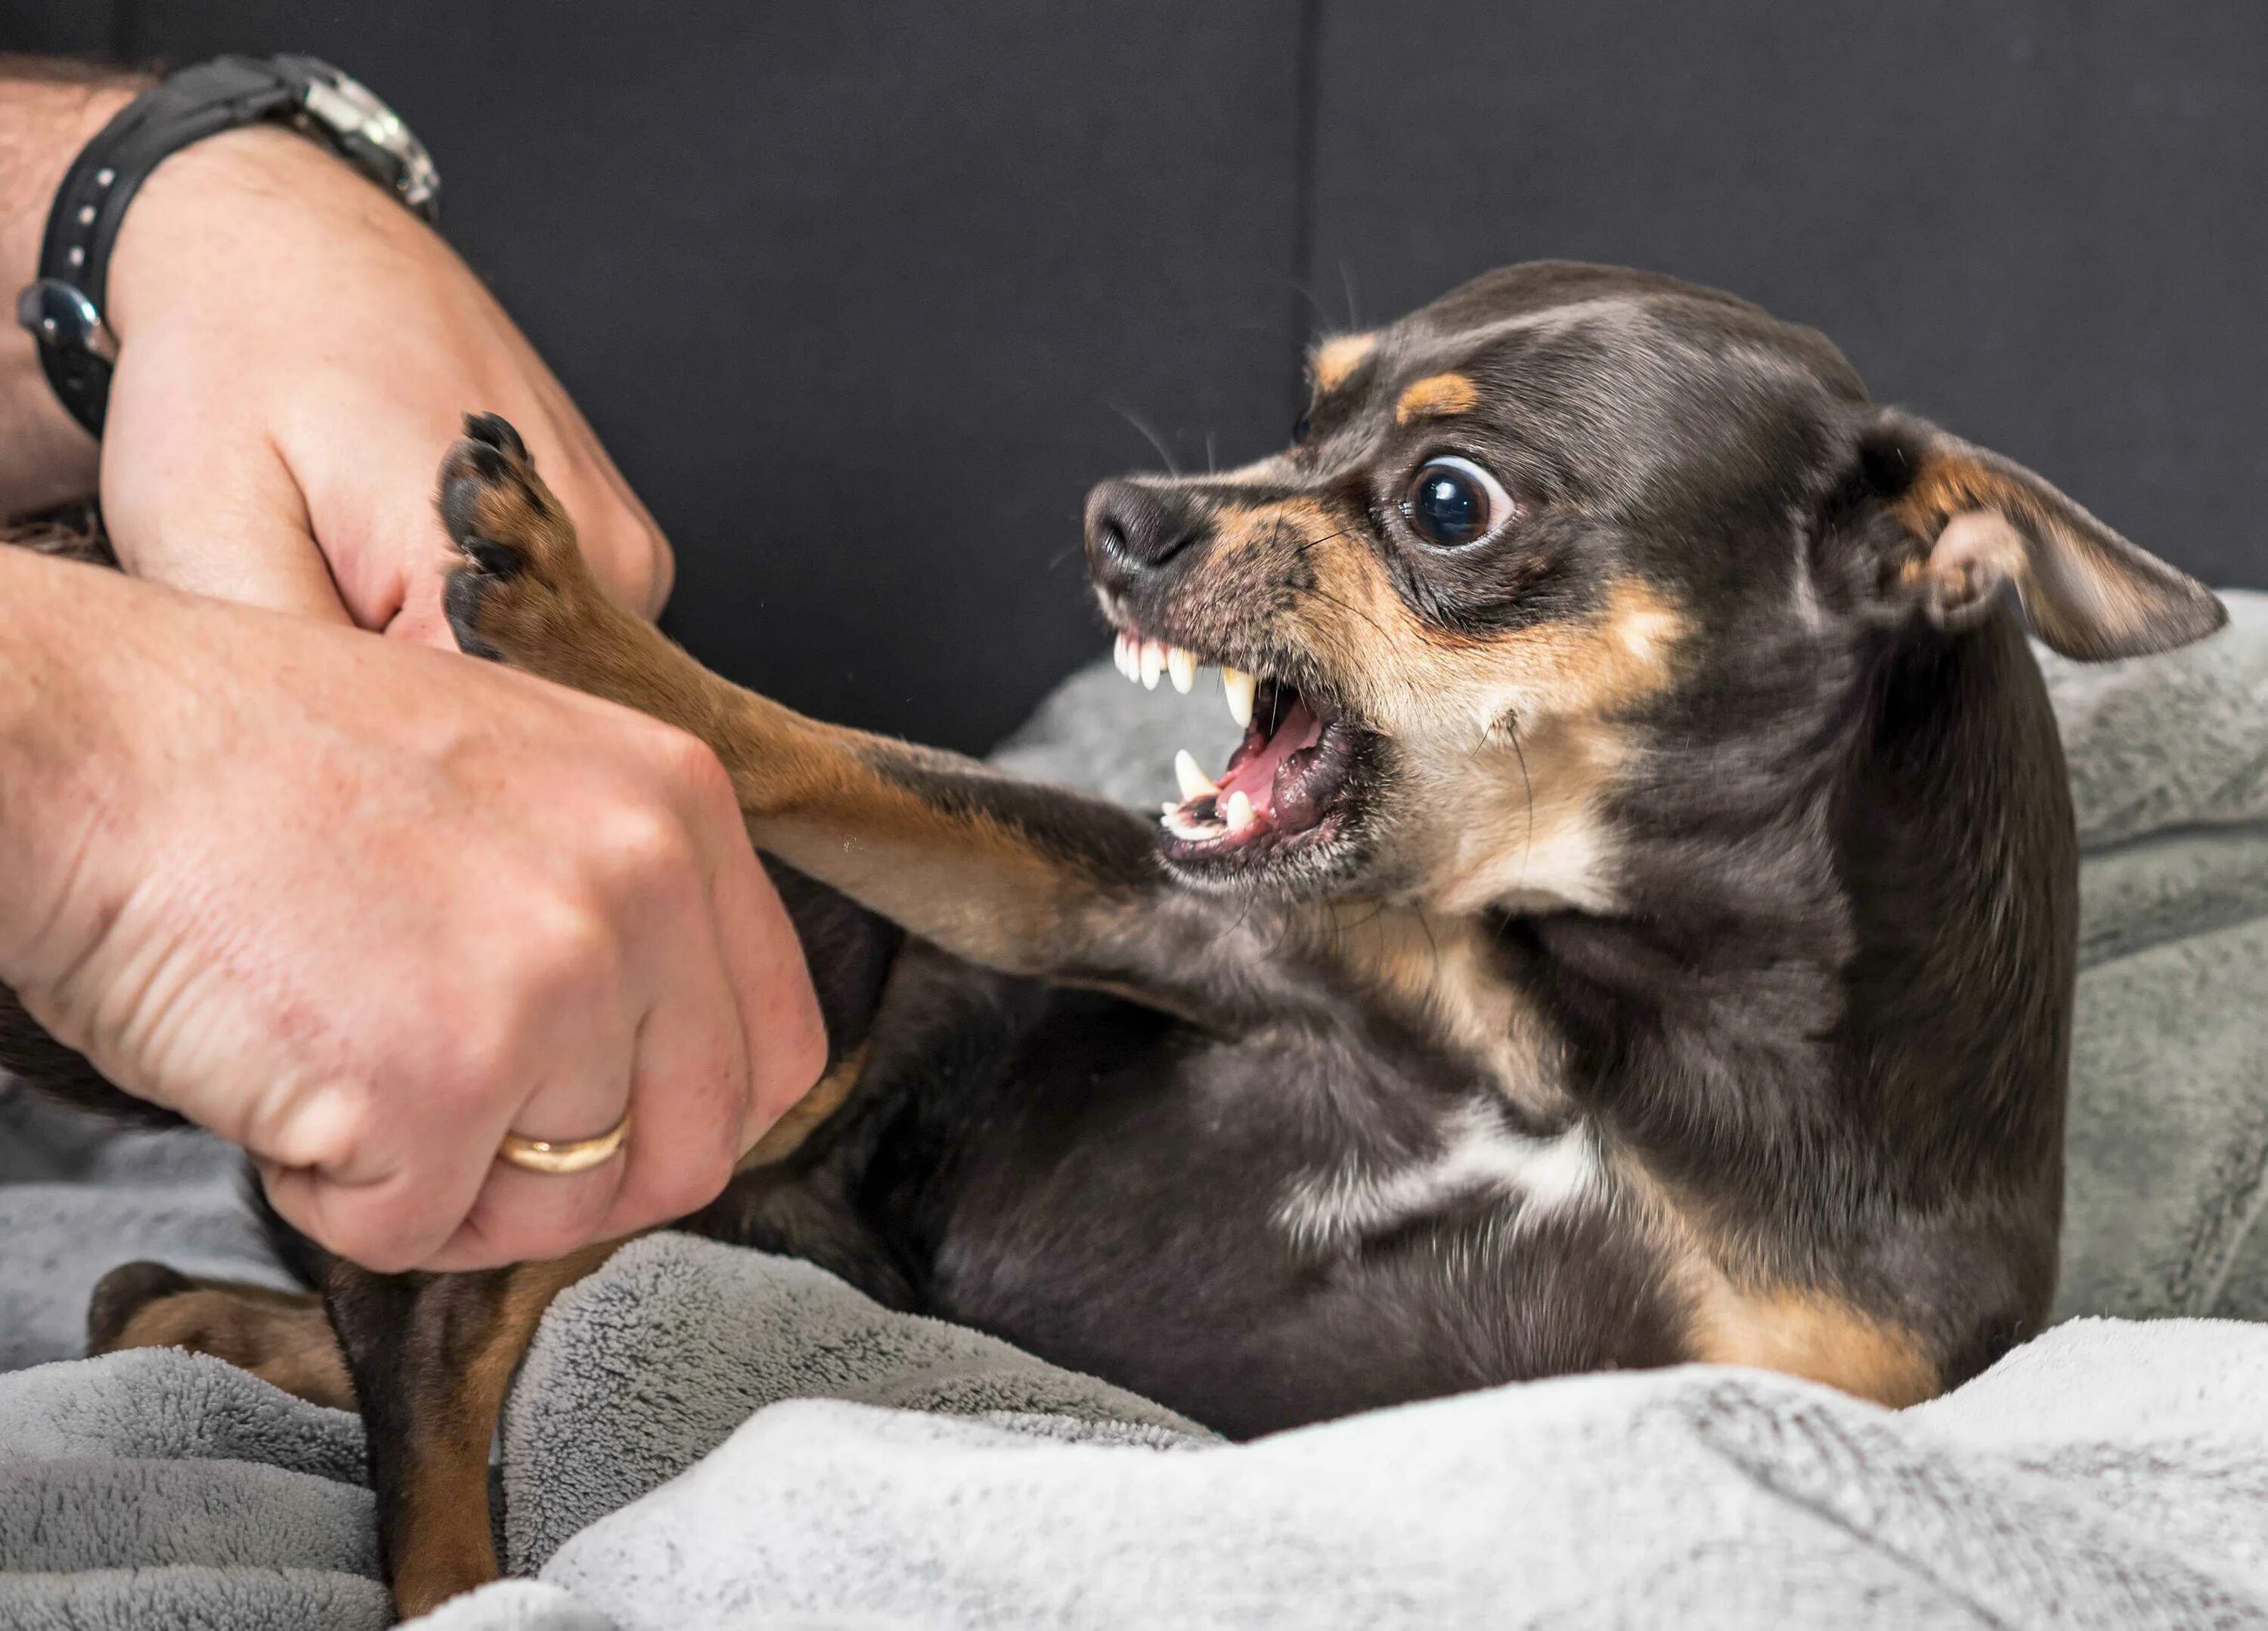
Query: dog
[{"x": 1637, "y": 926}]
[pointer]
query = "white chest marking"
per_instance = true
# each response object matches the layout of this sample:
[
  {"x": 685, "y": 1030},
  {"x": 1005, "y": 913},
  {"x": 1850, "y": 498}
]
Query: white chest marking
[{"x": 1479, "y": 1155}]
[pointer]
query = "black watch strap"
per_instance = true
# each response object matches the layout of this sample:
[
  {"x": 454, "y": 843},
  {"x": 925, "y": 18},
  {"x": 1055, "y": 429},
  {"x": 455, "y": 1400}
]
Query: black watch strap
[{"x": 63, "y": 308}]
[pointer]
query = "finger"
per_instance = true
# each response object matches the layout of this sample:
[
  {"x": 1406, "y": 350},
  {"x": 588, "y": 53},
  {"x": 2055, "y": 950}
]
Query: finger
[
  {"x": 204, "y": 503},
  {"x": 765, "y": 969},
  {"x": 624, "y": 544},
  {"x": 628, "y": 554},
  {"x": 388, "y": 1225},
  {"x": 520, "y": 1216},
  {"x": 377, "y": 523},
  {"x": 690, "y": 1097},
  {"x": 370, "y": 1187}
]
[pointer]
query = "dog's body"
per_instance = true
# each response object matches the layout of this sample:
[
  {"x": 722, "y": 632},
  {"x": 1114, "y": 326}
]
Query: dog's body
[{"x": 1637, "y": 928}]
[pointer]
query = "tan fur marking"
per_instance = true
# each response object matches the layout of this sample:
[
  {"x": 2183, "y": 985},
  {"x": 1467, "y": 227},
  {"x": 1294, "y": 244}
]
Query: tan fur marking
[
  {"x": 1947, "y": 485},
  {"x": 1981, "y": 527},
  {"x": 1815, "y": 1336},
  {"x": 1337, "y": 358},
  {"x": 1505, "y": 741},
  {"x": 1438, "y": 396},
  {"x": 444, "y": 1545},
  {"x": 282, "y": 1337},
  {"x": 1740, "y": 1314},
  {"x": 806, "y": 1115},
  {"x": 1438, "y": 972}
]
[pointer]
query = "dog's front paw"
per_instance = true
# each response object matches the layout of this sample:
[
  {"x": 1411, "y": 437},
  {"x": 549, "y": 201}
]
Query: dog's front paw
[{"x": 513, "y": 593}]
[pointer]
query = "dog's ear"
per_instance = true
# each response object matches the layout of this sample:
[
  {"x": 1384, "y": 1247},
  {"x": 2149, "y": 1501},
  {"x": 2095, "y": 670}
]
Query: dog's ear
[{"x": 1977, "y": 523}]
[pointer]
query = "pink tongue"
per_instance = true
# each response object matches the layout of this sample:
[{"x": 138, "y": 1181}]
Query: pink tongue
[{"x": 1256, "y": 778}]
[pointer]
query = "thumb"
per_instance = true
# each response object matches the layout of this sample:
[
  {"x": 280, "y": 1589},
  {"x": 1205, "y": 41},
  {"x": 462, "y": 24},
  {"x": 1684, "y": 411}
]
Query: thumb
[{"x": 209, "y": 507}]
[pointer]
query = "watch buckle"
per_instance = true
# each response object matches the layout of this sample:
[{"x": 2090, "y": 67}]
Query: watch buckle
[{"x": 60, "y": 315}]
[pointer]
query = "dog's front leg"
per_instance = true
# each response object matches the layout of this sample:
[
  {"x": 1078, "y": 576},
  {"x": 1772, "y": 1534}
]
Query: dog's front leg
[
  {"x": 426, "y": 1358},
  {"x": 1013, "y": 875},
  {"x": 432, "y": 1357}
]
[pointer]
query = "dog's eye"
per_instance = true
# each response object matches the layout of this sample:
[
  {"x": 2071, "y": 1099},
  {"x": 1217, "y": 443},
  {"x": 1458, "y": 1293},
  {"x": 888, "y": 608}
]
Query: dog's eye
[
  {"x": 1454, "y": 502},
  {"x": 1299, "y": 429}
]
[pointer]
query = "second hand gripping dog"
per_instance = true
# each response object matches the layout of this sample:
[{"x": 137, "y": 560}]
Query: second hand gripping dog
[{"x": 1637, "y": 926}]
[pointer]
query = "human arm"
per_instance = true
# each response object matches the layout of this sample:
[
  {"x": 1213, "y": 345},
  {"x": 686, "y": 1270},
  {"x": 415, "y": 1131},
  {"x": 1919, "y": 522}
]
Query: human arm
[
  {"x": 362, "y": 908},
  {"x": 295, "y": 350}
]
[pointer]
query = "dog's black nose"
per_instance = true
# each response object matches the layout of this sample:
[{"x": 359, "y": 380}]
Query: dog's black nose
[{"x": 1132, "y": 527}]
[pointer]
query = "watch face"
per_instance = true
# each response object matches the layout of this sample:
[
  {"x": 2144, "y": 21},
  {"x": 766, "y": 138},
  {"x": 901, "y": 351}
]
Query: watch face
[{"x": 376, "y": 136}]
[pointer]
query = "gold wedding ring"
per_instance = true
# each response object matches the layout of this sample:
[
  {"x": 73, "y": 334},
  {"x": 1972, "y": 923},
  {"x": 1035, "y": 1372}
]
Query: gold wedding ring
[{"x": 559, "y": 1157}]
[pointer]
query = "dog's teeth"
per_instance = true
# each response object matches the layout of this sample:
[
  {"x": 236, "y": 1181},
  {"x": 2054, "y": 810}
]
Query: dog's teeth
[
  {"x": 1182, "y": 666},
  {"x": 1195, "y": 783},
  {"x": 1121, "y": 655},
  {"x": 1238, "y": 686},
  {"x": 1153, "y": 663},
  {"x": 1180, "y": 824},
  {"x": 1238, "y": 812}
]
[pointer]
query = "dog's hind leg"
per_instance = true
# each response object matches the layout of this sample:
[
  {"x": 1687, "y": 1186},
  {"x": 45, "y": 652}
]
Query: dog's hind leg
[
  {"x": 282, "y": 1337},
  {"x": 1010, "y": 874}
]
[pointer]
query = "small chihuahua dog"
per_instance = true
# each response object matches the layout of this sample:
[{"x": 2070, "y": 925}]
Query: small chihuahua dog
[{"x": 1637, "y": 926}]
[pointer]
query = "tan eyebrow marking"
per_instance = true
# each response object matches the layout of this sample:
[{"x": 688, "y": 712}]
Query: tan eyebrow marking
[
  {"x": 1436, "y": 396},
  {"x": 1339, "y": 356}
]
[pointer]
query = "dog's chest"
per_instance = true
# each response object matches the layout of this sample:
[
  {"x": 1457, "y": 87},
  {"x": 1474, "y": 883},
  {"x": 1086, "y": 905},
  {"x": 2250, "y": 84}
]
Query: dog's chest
[{"x": 1277, "y": 1227}]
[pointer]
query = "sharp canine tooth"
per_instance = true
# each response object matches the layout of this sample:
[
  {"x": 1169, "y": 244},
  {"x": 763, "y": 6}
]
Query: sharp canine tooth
[
  {"x": 1195, "y": 783},
  {"x": 1239, "y": 687},
  {"x": 1153, "y": 663},
  {"x": 1182, "y": 666},
  {"x": 1238, "y": 812},
  {"x": 1122, "y": 654}
]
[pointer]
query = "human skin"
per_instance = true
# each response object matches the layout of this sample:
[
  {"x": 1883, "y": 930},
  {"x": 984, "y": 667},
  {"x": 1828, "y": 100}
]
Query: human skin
[{"x": 359, "y": 906}]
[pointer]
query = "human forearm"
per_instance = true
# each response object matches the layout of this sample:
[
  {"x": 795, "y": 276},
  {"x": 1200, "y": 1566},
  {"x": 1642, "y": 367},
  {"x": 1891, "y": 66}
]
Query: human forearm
[{"x": 47, "y": 112}]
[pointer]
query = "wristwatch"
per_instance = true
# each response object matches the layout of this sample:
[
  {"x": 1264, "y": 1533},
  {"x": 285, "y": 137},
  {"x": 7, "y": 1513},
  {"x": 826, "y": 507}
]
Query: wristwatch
[{"x": 63, "y": 307}]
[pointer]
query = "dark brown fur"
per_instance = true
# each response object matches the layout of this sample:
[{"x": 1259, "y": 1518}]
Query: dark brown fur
[{"x": 1681, "y": 970}]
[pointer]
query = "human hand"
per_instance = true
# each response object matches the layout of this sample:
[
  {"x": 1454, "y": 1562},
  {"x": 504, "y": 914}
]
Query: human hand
[
  {"x": 294, "y": 351},
  {"x": 362, "y": 908}
]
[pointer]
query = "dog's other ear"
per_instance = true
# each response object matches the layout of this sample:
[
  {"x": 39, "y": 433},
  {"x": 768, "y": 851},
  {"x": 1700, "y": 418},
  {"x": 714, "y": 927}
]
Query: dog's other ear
[{"x": 1979, "y": 523}]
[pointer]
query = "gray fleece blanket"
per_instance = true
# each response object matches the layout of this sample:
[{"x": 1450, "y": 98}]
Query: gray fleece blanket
[{"x": 704, "y": 1437}]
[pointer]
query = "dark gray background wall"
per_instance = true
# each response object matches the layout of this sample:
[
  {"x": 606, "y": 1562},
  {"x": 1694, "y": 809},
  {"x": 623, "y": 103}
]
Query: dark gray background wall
[{"x": 864, "y": 295}]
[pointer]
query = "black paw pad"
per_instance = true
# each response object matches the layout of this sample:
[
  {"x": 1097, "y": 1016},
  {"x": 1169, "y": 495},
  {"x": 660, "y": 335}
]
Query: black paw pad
[
  {"x": 493, "y": 558},
  {"x": 123, "y": 1293},
  {"x": 495, "y": 430},
  {"x": 460, "y": 603},
  {"x": 461, "y": 496}
]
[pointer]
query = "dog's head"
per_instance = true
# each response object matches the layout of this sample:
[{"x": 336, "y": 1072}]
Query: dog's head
[{"x": 1524, "y": 530}]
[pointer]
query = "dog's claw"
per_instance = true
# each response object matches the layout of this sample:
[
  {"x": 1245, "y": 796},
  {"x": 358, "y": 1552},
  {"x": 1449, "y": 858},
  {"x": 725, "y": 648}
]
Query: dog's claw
[{"x": 495, "y": 430}]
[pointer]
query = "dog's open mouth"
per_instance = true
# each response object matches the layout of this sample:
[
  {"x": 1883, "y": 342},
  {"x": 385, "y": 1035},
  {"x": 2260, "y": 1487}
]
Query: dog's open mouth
[{"x": 1286, "y": 786}]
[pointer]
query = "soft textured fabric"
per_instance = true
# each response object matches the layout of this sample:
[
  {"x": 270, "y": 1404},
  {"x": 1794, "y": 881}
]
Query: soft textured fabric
[
  {"x": 2111, "y": 1475},
  {"x": 851, "y": 1466}
]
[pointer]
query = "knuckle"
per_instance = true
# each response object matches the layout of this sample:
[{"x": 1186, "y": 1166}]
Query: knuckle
[
  {"x": 645, "y": 843},
  {"x": 573, "y": 952},
  {"x": 692, "y": 765}
]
